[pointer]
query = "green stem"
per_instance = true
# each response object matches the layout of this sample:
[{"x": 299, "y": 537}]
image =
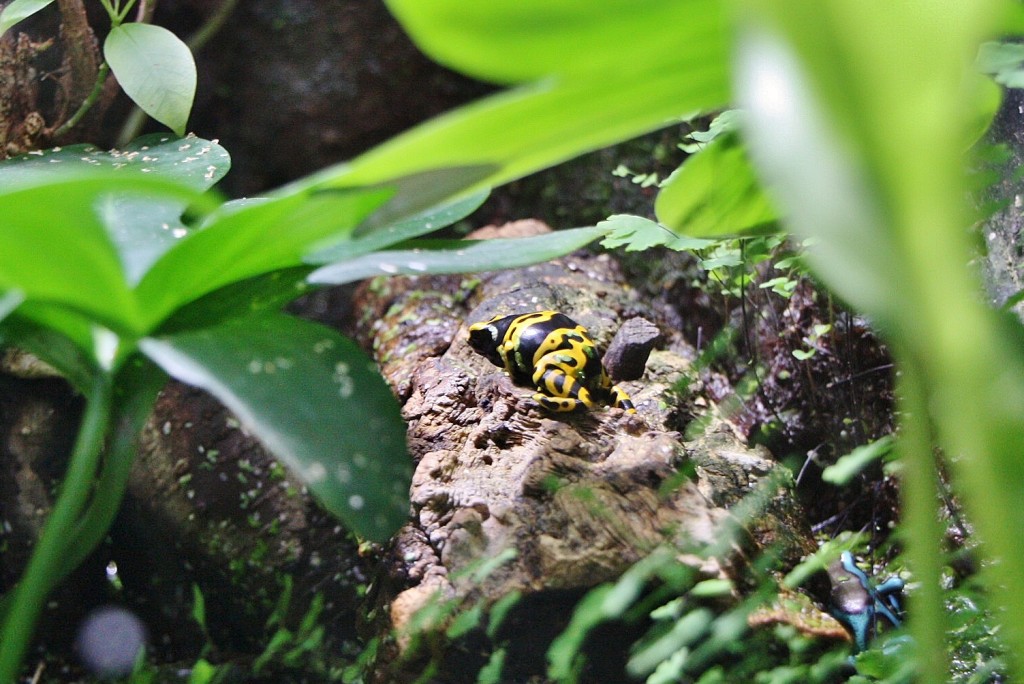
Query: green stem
[
  {"x": 124, "y": 13},
  {"x": 130, "y": 413},
  {"x": 139, "y": 386},
  {"x": 921, "y": 518},
  {"x": 90, "y": 100},
  {"x": 49, "y": 556}
]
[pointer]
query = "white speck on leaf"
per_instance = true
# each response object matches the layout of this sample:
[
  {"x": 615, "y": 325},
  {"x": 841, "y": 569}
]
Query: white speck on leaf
[
  {"x": 344, "y": 380},
  {"x": 356, "y": 502},
  {"x": 315, "y": 472}
]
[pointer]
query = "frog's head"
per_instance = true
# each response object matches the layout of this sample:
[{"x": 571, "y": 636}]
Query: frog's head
[{"x": 485, "y": 338}]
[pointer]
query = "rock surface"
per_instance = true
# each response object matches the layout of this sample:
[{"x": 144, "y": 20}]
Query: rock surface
[{"x": 508, "y": 498}]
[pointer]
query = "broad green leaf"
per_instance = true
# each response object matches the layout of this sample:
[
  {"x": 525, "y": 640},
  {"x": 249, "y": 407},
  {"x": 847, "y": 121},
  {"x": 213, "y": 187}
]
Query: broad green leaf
[
  {"x": 421, "y": 192},
  {"x": 458, "y": 256},
  {"x": 601, "y": 73},
  {"x": 422, "y": 223},
  {"x": 18, "y": 10},
  {"x": 715, "y": 193},
  {"x": 821, "y": 185},
  {"x": 250, "y": 238},
  {"x": 142, "y": 228},
  {"x": 155, "y": 69},
  {"x": 519, "y": 40},
  {"x": 535, "y": 126},
  {"x": 57, "y": 250},
  {"x": 267, "y": 293},
  {"x": 316, "y": 402},
  {"x": 864, "y": 104},
  {"x": 636, "y": 233}
]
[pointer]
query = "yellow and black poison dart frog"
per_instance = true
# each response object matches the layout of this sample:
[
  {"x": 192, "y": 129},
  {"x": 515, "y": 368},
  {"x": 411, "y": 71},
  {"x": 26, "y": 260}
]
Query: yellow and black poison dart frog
[{"x": 551, "y": 352}]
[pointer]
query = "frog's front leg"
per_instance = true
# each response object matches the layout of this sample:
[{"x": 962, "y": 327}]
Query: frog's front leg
[
  {"x": 559, "y": 391},
  {"x": 620, "y": 399},
  {"x": 615, "y": 395}
]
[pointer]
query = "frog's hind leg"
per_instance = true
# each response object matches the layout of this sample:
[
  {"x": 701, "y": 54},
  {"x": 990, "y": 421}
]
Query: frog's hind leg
[
  {"x": 560, "y": 392},
  {"x": 558, "y": 404}
]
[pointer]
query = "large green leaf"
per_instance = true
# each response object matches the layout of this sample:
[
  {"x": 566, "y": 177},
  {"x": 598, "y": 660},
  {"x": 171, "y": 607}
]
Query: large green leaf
[
  {"x": 715, "y": 193},
  {"x": 56, "y": 248},
  {"x": 458, "y": 256},
  {"x": 249, "y": 238},
  {"x": 422, "y": 223},
  {"x": 857, "y": 118},
  {"x": 519, "y": 40},
  {"x": 18, "y": 10},
  {"x": 536, "y": 126},
  {"x": 155, "y": 69},
  {"x": 266, "y": 293},
  {"x": 315, "y": 400},
  {"x": 141, "y": 227},
  {"x": 824, "y": 188},
  {"x": 579, "y": 100}
]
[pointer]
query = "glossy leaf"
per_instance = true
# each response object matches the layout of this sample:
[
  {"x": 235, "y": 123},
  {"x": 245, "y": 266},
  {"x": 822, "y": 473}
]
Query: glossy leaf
[
  {"x": 57, "y": 250},
  {"x": 142, "y": 228},
  {"x": 249, "y": 238},
  {"x": 715, "y": 193},
  {"x": 571, "y": 38},
  {"x": 267, "y": 293},
  {"x": 458, "y": 256},
  {"x": 19, "y": 10},
  {"x": 155, "y": 69},
  {"x": 536, "y": 126},
  {"x": 315, "y": 400},
  {"x": 422, "y": 223},
  {"x": 422, "y": 191}
]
